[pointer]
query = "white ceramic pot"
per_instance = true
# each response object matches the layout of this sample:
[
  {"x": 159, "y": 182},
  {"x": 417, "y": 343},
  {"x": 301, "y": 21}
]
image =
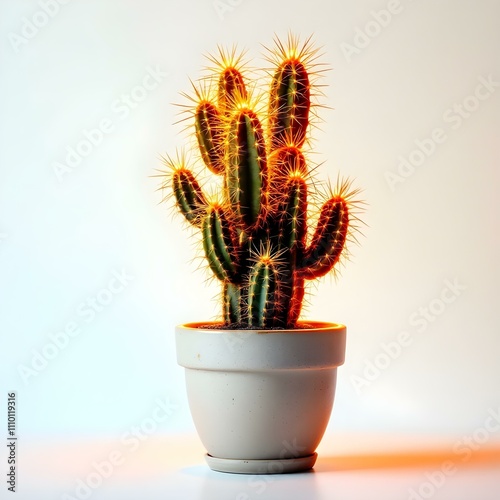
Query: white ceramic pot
[{"x": 261, "y": 399}]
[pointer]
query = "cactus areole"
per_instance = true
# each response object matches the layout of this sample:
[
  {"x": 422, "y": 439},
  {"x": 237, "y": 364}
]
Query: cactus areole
[{"x": 257, "y": 237}]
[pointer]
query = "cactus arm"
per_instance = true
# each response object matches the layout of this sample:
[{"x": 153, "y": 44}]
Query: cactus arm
[
  {"x": 189, "y": 196},
  {"x": 328, "y": 240},
  {"x": 232, "y": 304},
  {"x": 295, "y": 301},
  {"x": 262, "y": 294},
  {"x": 292, "y": 229},
  {"x": 247, "y": 168},
  {"x": 231, "y": 89},
  {"x": 219, "y": 245},
  {"x": 209, "y": 133},
  {"x": 289, "y": 104},
  {"x": 293, "y": 214},
  {"x": 285, "y": 292},
  {"x": 286, "y": 160}
]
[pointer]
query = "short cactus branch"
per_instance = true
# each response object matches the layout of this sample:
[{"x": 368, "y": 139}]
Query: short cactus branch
[
  {"x": 263, "y": 293},
  {"x": 190, "y": 198},
  {"x": 219, "y": 243},
  {"x": 328, "y": 240},
  {"x": 210, "y": 133}
]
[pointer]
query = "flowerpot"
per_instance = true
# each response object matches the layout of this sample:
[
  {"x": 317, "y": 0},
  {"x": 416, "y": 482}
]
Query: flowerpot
[{"x": 261, "y": 399}]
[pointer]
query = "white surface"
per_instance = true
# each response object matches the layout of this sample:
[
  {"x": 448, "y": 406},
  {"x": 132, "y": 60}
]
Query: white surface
[{"x": 348, "y": 468}]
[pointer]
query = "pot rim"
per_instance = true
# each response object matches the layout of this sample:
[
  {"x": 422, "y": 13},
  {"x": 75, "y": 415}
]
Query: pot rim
[
  {"x": 320, "y": 347},
  {"x": 308, "y": 326}
]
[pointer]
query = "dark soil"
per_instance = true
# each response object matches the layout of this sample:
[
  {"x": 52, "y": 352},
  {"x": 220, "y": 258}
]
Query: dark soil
[{"x": 237, "y": 326}]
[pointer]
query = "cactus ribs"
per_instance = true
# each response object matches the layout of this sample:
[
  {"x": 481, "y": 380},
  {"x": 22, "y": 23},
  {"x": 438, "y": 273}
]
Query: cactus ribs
[{"x": 255, "y": 233}]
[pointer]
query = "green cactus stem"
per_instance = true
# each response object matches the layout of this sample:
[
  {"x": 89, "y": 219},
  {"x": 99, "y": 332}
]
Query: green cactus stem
[
  {"x": 209, "y": 132},
  {"x": 296, "y": 300},
  {"x": 189, "y": 196},
  {"x": 293, "y": 214},
  {"x": 231, "y": 90},
  {"x": 232, "y": 308},
  {"x": 289, "y": 105},
  {"x": 328, "y": 240},
  {"x": 219, "y": 243},
  {"x": 263, "y": 294},
  {"x": 247, "y": 167}
]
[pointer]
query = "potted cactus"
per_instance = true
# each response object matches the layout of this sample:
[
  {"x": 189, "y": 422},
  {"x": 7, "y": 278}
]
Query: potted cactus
[{"x": 261, "y": 383}]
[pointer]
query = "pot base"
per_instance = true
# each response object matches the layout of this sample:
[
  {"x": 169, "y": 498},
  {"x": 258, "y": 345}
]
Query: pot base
[{"x": 276, "y": 466}]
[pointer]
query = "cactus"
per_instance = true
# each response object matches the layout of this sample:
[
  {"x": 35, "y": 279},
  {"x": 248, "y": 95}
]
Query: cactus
[{"x": 255, "y": 235}]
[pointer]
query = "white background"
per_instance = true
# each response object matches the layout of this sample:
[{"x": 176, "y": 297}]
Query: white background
[{"x": 63, "y": 237}]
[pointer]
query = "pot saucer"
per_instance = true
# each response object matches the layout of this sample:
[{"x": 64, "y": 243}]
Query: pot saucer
[{"x": 276, "y": 466}]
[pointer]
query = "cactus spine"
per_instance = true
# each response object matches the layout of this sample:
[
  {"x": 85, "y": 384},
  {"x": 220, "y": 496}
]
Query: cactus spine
[{"x": 255, "y": 237}]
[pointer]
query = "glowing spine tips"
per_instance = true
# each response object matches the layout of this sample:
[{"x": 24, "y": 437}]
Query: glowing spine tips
[
  {"x": 231, "y": 299},
  {"x": 209, "y": 132},
  {"x": 219, "y": 245},
  {"x": 189, "y": 196},
  {"x": 247, "y": 167},
  {"x": 328, "y": 240},
  {"x": 231, "y": 90},
  {"x": 255, "y": 237},
  {"x": 289, "y": 104},
  {"x": 263, "y": 294},
  {"x": 293, "y": 214}
]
